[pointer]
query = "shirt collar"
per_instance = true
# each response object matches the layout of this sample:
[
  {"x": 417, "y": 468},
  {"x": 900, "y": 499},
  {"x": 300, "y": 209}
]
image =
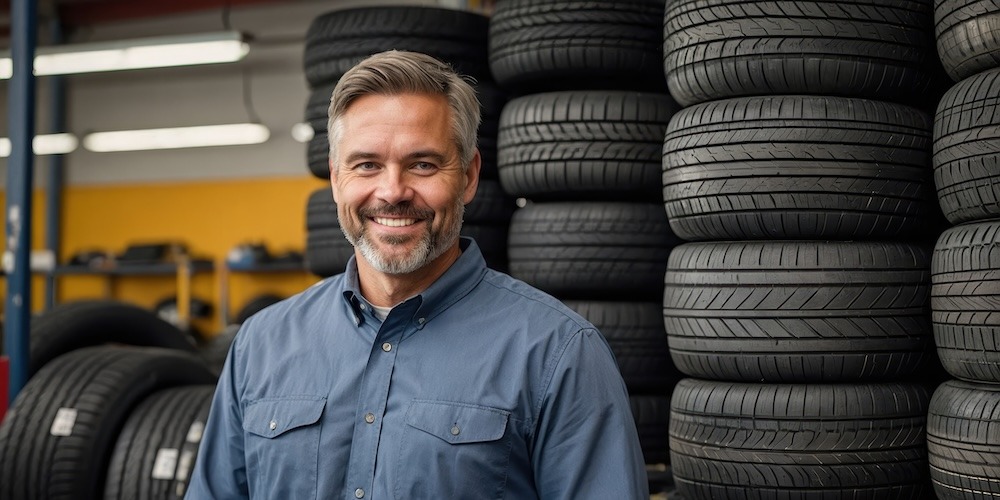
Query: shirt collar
[{"x": 456, "y": 282}]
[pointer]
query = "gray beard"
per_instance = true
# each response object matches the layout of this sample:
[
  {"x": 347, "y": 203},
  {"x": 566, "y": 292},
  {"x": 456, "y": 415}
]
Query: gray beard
[{"x": 430, "y": 247}]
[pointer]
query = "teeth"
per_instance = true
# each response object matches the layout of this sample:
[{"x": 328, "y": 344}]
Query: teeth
[{"x": 395, "y": 222}]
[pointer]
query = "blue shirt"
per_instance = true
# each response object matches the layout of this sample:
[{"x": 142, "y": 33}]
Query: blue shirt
[{"x": 479, "y": 387}]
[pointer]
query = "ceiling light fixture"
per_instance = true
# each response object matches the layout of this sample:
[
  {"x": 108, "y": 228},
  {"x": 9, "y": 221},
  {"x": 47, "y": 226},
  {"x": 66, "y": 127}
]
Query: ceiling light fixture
[
  {"x": 234, "y": 134},
  {"x": 49, "y": 144},
  {"x": 141, "y": 53}
]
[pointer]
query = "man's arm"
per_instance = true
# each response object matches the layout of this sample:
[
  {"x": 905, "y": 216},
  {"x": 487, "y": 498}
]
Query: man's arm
[
  {"x": 220, "y": 469},
  {"x": 586, "y": 445}
]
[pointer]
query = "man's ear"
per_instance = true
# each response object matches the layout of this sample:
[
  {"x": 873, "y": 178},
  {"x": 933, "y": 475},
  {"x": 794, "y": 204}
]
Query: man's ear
[
  {"x": 472, "y": 178},
  {"x": 333, "y": 179}
]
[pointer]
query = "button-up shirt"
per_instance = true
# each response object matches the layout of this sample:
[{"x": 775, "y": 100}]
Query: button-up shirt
[{"x": 479, "y": 387}]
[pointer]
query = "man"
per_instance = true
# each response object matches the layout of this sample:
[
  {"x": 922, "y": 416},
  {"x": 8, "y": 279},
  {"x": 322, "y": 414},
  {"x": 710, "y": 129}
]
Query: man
[{"x": 418, "y": 373}]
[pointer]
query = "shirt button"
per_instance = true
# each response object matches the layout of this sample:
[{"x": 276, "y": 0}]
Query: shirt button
[
  {"x": 386, "y": 347},
  {"x": 370, "y": 418},
  {"x": 359, "y": 493},
  {"x": 455, "y": 430},
  {"x": 421, "y": 320},
  {"x": 273, "y": 425},
  {"x": 362, "y": 306}
]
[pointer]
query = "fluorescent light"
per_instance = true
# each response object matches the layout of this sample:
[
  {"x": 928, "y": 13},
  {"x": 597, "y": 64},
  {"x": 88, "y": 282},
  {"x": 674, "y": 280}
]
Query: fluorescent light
[
  {"x": 174, "y": 138},
  {"x": 141, "y": 53},
  {"x": 49, "y": 144},
  {"x": 302, "y": 132}
]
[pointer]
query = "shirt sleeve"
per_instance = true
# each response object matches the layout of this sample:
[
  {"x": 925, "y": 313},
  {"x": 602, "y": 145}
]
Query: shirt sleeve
[
  {"x": 220, "y": 468},
  {"x": 586, "y": 445}
]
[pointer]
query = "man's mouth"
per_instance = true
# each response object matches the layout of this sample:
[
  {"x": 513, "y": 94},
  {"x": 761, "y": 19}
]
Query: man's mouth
[{"x": 394, "y": 222}]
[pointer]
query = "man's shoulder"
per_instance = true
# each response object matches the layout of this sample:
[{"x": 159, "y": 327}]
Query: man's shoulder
[
  {"x": 530, "y": 302},
  {"x": 318, "y": 299}
]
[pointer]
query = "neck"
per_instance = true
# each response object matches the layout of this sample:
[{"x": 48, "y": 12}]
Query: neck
[{"x": 387, "y": 290}]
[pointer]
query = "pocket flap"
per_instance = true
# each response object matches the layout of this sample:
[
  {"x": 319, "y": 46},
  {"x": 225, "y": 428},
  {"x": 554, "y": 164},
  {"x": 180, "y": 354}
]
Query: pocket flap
[
  {"x": 272, "y": 417},
  {"x": 456, "y": 422}
]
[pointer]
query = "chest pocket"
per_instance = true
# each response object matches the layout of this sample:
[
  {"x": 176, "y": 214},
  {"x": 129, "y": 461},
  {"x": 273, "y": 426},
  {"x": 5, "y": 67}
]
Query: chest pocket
[
  {"x": 282, "y": 441},
  {"x": 453, "y": 450}
]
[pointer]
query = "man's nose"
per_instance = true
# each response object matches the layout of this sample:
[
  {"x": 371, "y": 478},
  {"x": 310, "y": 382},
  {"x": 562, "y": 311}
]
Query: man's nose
[{"x": 394, "y": 187}]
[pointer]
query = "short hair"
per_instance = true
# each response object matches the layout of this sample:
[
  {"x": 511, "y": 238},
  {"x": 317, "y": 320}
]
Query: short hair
[{"x": 400, "y": 72}]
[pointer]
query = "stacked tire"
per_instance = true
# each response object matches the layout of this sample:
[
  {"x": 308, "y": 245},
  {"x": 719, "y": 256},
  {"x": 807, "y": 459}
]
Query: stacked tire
[
  {"x": 580, "y": 148},
  {"x": 338, "y": 40},
  {"x": 800, "y": 172},
  {"x": 963, "y": 424}
]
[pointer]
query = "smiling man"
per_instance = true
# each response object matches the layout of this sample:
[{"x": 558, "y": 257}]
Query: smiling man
[{"x": 418, "y": 372}]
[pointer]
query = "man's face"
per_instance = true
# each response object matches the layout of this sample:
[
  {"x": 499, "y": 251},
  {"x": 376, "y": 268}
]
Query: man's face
[{"x": 398, "y": 180}]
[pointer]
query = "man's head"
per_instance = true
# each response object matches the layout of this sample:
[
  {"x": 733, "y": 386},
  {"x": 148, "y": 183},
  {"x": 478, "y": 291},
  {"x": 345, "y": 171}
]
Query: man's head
[
  {"x": 403, "y": 160},
  {"x": 399, "y": 72}
]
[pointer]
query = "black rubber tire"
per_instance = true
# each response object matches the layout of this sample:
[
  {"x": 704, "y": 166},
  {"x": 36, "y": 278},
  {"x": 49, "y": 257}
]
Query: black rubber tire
[
  {"x": 967, "y": 149},
  {"x": 101, "y": 385},
  {"x": 491, "y": 205},
  {"x": 318, "y": 155},
  {"x": 968, "y": 36},
  {"x": 321, "y": 211},
  {"x": 784, "y": 311},
  {"x": 338, "y": 40},
  {"x": 156, "y": 449},
  {"x": 634, "y": 330},
  {"x": 876, "y": 49},
  {"x": 798, "y": 442},
  {"x": 963, "y": 445},
  {"x": 318, "y": 107},
  {"x": 327, "y": 252},
  {"x": 652, "y": 421},
  {"x": 492, "y": 242},
  {"x": 965, "y": 298},
  {"x": 85, "y": 323},
  {"x": 593, "y": 145},
  {"x": 591, "y": 250},
  {"x": 539, "y": 45},
  {"x": 255, "y": 305},
  {"x": 797, "y": 167}
]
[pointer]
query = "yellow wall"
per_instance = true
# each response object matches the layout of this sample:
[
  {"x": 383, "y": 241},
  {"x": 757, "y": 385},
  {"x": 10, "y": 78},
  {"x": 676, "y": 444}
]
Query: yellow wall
[{"x": 209, "y": 217}]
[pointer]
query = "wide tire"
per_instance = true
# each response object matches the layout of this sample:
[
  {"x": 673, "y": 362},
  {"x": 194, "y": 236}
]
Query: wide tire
[
  {"x": 593, "y": 250},
  {"x": 968, "y": 36},
  {"x": 967, "y": 149},
  {"x": 877, "y": 49},
  {"x": 593, "y": 145},
  {"x": 781, "y": 311},
  {"x": 57, "y": 438},
  {"x": 965, "y": 301},
  {"x": 652, "y": 421},
  {"x": 962, "y": 441},
  {"x": 798, "y": 442},
  {"x": 797, "y": 167}
]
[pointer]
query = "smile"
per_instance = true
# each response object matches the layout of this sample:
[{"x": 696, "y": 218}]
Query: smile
[{"x": 395, "y": 222}]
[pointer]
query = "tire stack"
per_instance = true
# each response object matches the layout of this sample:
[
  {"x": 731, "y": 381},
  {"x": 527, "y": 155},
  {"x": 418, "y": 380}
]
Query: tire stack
[
  {"x": 802, "y": 178},
  {"x": 338, "y": 40},
  {"x": 963, "y": 426},
  {"x": 580, "y": 148}
]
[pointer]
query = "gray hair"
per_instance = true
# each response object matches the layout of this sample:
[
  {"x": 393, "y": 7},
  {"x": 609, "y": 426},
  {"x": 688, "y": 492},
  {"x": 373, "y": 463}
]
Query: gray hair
[{"x": 399, "y": 72}]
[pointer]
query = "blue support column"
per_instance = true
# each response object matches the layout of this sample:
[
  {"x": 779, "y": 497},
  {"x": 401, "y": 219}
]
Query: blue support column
[{"x": 16, "y": 258}]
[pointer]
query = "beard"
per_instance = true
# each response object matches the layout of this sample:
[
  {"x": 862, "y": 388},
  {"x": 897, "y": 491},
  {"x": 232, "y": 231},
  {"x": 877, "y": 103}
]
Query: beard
[{"x": 429, "y": 246}]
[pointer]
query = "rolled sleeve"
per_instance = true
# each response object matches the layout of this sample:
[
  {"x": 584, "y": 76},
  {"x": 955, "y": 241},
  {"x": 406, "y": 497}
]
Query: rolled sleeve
[{"x": 586, "y": 444}]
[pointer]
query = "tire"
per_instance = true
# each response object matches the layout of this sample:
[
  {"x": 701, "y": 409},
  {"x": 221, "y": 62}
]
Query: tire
[
  {"x": 491, "y": 205},
  {"x": 963, "y": 447},
  {"x": 591, "y": 250},
  {"x": 797, "y": 167},
  {"x": 966, "y": 155},
  {"x": 539, "y": 45},
  {"x": 634, "y": 330},
  {"x": 318, "y": 107},
  {"x": 968, "y": 36},
  {"x": 338, "y": 40},
  {"x": 318, "y": 155},
  {"x": 798, "y": 442},
  {"x": 56, "y": 440},
  {"x": 327, "y": 252},
  {"x": 877, "y": 49},
  {"x": 652, "y": 421},
  {"x": 965, "y": 298},
  {"x": 74, "y": 325},
  {"x": 593, "y": 145},
  {"x": 156, "y": 449},
  {"x": 215, "y": 351},
  {"x": 321, "y": 211},
  {"x": 782, "y": 311}
]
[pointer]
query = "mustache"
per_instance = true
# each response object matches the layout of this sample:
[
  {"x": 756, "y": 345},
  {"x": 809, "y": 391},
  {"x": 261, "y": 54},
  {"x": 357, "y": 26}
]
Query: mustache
[{"x": 401, "y": 210}]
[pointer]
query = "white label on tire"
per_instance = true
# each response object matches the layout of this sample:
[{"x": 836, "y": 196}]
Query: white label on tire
[
  {"x": 62, "y": 425},
  {"x": 165, "y": 463},
  {"x": 195, "y": 431},
  {"x": 187, "y": 460}
]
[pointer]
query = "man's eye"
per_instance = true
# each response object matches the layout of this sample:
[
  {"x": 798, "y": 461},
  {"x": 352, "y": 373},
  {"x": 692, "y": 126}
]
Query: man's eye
[
  {"x": 366, "y": 166},
  {"x": 422, "y": 165}
]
